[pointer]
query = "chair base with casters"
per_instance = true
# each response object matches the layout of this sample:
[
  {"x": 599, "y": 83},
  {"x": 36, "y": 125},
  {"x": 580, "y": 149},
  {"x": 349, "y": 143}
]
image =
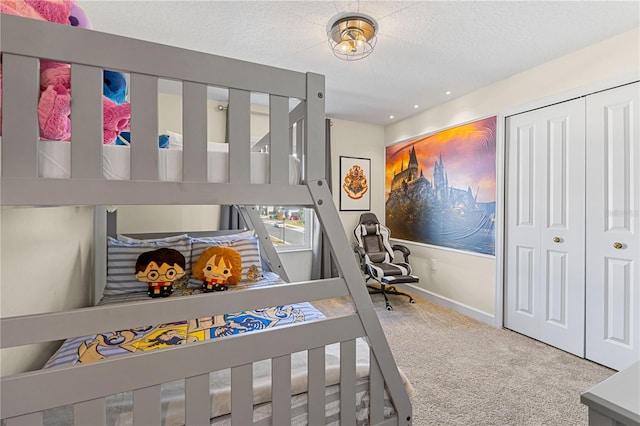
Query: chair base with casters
[
  {"x": 376, "y": 258},
  {"x": 385, "y": 288}
]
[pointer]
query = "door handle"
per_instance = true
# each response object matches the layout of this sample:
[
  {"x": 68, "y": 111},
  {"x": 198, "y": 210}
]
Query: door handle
[
  {"x": 556, "y": 239},
  {"x": 617, "y": 245}
]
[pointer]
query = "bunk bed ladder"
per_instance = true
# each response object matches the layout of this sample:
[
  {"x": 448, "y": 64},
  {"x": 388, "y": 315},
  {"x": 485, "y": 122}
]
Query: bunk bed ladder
[
  {"x": 348, "y": 269},
  {"x": 380, "y": 357},
  {"x": 382, "y": 364},
  {"x": 315, "y": 171}
]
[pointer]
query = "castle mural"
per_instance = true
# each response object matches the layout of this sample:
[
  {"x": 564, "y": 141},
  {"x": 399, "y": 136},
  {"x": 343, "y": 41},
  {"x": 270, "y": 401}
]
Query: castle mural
[{"x": 441, "y": 188}]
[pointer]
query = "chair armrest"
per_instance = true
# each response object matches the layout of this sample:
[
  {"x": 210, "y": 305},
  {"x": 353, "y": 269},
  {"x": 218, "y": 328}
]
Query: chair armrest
[{"x": 403, "y": 249}]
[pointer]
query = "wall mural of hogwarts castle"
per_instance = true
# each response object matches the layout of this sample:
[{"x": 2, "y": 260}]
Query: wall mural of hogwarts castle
[{"x": 434, "y": 212}]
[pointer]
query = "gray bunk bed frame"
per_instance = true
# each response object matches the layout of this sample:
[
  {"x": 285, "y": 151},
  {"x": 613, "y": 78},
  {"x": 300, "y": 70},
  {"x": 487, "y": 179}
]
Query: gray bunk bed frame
[{"x": 24, "y": 396}]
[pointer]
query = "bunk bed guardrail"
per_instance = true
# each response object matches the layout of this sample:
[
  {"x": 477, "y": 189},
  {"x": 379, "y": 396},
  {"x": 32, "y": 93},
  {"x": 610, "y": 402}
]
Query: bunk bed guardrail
[{"x": 25, "y": 41}]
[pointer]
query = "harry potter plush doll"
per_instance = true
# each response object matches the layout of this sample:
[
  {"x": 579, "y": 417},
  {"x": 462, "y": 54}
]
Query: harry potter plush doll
[
  {"x": 218, "y": 267},
  {"x": 160, "y": 268}
]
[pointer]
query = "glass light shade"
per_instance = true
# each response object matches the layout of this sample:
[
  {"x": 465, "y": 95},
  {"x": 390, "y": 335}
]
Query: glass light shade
[{"x": 352, "y": 36}]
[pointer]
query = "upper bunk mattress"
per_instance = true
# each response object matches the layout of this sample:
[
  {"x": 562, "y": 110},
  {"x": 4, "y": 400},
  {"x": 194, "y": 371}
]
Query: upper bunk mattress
[{"x": 55, "y": 162}]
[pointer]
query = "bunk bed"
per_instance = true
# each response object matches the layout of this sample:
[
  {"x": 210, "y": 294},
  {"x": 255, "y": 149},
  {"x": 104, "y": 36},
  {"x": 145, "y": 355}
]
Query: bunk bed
[{"x": 88, "y": 389}]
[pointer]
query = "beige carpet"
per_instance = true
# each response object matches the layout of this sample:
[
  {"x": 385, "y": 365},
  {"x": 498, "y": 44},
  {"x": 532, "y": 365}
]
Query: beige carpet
[{"x": 467, "y": 373}]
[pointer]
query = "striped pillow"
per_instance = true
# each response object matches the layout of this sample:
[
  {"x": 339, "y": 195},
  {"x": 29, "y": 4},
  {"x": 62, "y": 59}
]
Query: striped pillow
[
  {"x": 229, "y": 237},
  {"x": 171, "y": 239},
  {"x": 248, "y": 248},
  {"x": 122, "y": 257}
]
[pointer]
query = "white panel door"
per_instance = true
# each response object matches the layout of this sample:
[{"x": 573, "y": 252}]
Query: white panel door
[
  {"x": 613, "y": 227},
  {"x": 545, "y": 225},
  {"x": 523, "y": 228}
]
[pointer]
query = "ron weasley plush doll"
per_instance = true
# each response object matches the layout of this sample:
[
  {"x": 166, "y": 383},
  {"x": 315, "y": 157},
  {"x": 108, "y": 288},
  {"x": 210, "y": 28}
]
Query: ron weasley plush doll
[
  {"x": 160, "y": 268},
  {"x": 218, "y": 267}
]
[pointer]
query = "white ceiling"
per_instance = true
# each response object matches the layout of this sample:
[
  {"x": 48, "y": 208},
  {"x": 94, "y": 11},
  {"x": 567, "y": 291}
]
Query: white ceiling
[{"x": 424, "y": 48}]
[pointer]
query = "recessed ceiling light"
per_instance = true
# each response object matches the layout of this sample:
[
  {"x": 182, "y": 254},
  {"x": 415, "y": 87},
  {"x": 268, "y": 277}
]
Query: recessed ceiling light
[
  {"x": 391, "y": 117},
  {"x": 448, "y": 92},
  {"x": 416, "y": 106}
]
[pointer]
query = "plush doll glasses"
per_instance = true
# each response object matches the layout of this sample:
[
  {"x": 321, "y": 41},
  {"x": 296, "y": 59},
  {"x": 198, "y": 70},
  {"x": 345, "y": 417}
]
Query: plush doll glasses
[{"x": 160, "y": 268}]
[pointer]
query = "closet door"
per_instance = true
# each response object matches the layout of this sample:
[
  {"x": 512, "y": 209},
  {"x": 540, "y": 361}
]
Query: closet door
[
  {"x": 613, "y": 227},
  {"x": 545, "y": 225}
]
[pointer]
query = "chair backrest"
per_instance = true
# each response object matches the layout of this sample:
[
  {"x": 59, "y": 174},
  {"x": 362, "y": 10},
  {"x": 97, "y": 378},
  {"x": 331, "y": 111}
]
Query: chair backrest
[{"x": 373, "y": 237}]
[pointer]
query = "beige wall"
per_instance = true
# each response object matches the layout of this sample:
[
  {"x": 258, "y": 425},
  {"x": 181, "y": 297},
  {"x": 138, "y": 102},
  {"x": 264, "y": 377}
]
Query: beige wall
[
  {"x": 142, "y": 219},
  {"x": 470, "y": 280},
  {"x": 45, "y": 266},
  {"x": 170, "y": 118},
  {"x": 353, "y": 139}
]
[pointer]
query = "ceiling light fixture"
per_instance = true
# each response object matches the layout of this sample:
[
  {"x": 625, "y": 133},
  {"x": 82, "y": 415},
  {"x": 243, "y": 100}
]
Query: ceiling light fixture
[{"x": 352, "y": 36}]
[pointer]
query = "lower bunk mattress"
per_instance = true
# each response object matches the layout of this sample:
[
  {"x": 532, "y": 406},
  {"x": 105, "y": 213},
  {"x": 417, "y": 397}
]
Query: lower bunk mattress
[{"x": 88, "y": 349}]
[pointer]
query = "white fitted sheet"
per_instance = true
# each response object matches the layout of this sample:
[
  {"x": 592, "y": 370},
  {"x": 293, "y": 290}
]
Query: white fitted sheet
[{"x": 55, "y": 162}]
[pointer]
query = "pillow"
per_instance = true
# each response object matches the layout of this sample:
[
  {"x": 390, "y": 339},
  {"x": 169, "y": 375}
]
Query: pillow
[
  {"x": 217, "y": 147},
  {"x": 171, "y": 239},
  {"x": 229, "y": 237},
  {"x": 175, "y": 140},
  {"x": 248, "y": 248},
  {"x": 121, "y": 262}
]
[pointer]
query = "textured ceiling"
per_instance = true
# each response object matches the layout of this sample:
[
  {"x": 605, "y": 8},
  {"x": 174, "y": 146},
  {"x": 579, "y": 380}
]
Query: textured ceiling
[{"x": 424, "y": 48}]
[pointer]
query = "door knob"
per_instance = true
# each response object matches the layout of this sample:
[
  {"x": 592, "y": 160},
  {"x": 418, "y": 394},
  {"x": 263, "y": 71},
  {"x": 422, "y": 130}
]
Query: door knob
[
  {"x": 556, "y": 239},
  {"x": 617, "y": 245}
]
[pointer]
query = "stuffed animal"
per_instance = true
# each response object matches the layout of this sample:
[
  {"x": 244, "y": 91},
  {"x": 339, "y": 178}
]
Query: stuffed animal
[
  {"x": 124, "y": 138},
  {"x": 253, "y": 273},
  {"x": 78, "y": 18},
  {"x": 59, "y": 11},
  {"x": 160, "y": 268},
  {"x": 218, "y": 267},
  {"x": 116, "y": 109},
  {"x": 115, "y": 89},
  {"x": 54, "y": 106},
  {"x": 114, "y": 86},
  {"x": 54, "y": 111},
  {"x": 117, "y": 118},
  {"x": 55, "y": 12}
]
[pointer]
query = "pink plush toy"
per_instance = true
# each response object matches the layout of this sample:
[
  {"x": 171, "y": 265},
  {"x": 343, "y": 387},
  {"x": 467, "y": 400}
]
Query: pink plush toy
[
  {"x": 54, "y": 107},
  {"x": 117, "y": 118},
  {"x": 20, "y": 8},
  {"x": 58, "y": 11}
]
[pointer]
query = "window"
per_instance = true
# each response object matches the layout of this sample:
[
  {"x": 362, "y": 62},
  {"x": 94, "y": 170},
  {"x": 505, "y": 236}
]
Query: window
[{"x": 289, "y": 227}]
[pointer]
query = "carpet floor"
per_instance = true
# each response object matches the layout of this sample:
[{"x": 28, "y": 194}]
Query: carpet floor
[{"x": 468, "y": 373}]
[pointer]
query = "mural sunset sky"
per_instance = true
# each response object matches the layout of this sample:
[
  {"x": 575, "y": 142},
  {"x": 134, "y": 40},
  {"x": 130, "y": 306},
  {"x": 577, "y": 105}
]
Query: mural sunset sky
[{"x": 468, "y": 153}]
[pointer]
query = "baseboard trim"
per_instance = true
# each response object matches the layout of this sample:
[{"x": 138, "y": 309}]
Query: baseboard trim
[{"x": 461, "y": 308}]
